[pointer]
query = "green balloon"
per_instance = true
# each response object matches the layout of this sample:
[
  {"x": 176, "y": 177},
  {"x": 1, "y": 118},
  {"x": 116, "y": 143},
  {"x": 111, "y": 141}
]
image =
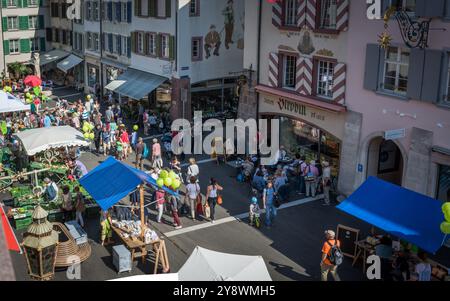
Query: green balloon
[
  {"x": 164, "y": 174},
  {"x": 176, "y": 184},
  {"x": 160, "y": 182},
  {"x": 28, "y": 95},
  {"x": 91, "y": 136},
  {"x": 445, "y": 228},
  {"x": 86, "y": 135},
  {"x": 85, "y": 128},
  {"x": 168, "y": 182},
  {"x": 172, "y": 175},
  {"x": 135, "y": 127}
]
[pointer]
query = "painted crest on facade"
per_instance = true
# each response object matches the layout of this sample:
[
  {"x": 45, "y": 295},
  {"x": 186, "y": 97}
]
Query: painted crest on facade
[{"x": 305, "y": 45}]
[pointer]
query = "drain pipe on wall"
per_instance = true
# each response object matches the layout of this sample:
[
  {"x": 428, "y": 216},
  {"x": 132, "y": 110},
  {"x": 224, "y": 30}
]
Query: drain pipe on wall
[{"x": 258, "y": 64}]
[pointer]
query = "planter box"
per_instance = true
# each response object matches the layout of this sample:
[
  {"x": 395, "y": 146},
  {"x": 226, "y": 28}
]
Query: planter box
[{"x": 22, "y": 223}]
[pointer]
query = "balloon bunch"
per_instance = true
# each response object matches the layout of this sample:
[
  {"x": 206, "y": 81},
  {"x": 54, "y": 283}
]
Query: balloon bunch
[
  {"x": 7, "y": 89},
  {"x": 445, "y": 226},
  {"x": 28, "y": 97},
  {"x": 135, "y": 128},
  {"x": 168, "y": 179},
  {"x": 88, "y": 130}
]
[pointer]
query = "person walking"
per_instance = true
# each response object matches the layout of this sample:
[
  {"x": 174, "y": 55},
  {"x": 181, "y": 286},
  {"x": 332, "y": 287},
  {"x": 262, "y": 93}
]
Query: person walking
[
  {"x": 106, "y": 230},
  {"x": 106, "y": 140},
  {"x": 67, "y": 206},
  {"x": 326, "y": 182},
  {"x": 326, "y": 265},
  {"x": 301, "y": 175},
  {"x": 160, "y": 199},
  {"x": 173, "y": 202},
  {"x": 192, "y": 193},
  {"x": 269, "y": 194},
  {"x": 125, "y": 140},
  {"x": 79, "y": 206},
  {"x": 193, "y": 170},
  {"x": 140, "y": 146},
  {"x": 212, "y": 193},
  {"x": 97, "y": 138},
  {"x": 311, "y": 173},
  {"x": 156, "y": 154}
]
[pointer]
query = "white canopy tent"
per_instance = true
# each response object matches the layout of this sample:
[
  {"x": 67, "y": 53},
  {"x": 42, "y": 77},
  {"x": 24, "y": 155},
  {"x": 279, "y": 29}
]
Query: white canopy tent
[
  {"x": 38, "y": 140},
  {"x": 207, "y": 265},
  {"x": 10, "y": 103}
]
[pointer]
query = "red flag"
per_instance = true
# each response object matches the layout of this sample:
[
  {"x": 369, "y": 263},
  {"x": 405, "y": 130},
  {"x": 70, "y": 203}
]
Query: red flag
[{"x": 11, "y": 240}]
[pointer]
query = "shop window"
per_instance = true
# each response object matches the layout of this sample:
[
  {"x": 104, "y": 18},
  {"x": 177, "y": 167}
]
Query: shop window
[
  {"x": 443, "y": 191},
  {"x": 325, "y": 70},
  {"x": 396, "y": 68},
  {"x": 33, "y": 2},
  {"x": 289, "y": 70},
  {"x": 328, "y": 14},
  {"x": 13, "y": 23},
  {"x": 14, "y": 46},
  {"x": 196, "y": 49},
  {"x": 290, "y": 13},
  {"x": 194, "y": 8}
]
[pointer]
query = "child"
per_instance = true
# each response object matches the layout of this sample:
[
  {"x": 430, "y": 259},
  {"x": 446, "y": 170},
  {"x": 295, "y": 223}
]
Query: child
[
  {"x": 119, "y": 148},
  {"x": 254, "y": 209}
]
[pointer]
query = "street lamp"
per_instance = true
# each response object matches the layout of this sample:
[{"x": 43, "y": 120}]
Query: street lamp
[{"x": 40, "y": 244}]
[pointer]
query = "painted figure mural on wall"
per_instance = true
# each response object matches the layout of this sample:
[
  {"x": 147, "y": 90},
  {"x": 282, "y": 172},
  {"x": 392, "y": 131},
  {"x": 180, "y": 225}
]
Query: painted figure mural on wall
[
  {"x": 212, "y": 40},
  {"x": 240, "y": 42},
  {"x": 228, "y": 12},
  {"x": 305, "y": 46}
]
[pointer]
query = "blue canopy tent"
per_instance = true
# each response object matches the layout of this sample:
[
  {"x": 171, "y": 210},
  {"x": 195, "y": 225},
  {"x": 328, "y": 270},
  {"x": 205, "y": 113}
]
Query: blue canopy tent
[
  {"x": 113, "y": 180},
  {"x": 406, "y": 214}
]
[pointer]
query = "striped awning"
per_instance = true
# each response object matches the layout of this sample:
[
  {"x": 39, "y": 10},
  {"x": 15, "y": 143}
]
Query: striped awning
[{"x": 135, "y": 84}]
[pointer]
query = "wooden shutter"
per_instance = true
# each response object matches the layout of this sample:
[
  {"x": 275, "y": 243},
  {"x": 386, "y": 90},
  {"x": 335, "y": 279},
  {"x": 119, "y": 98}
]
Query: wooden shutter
[
  {"x": 129, "y": 43},
  {"x": 128, "y": 12},
  {"x": 118, "y": 11},
  {"x": 87, "y": 7},
  {"x": 42, "y": 44},
  {"x": 168, "y": 8},
  {"x": 311, "y": 13},
  {"x": 152, "y": 8},
  {"x": 430, "y": 9},
  {"x": 304, "y": 75},
  {"x": 25, "y": 45},
  {"x": 372, "y": 67},
  {"x": 432, "y": 75},
  {"x": 110, "y": 13},
  {"x": 342, "y": 15},
  {"x": 137, "y": 7},
  {"x": 158, "y": 45},
  {"x": 24, "y": 3},
  {"x": 172, "y": 48},
  {"x": 49, "y": 34},
  {"x": 274, "y": 63},
  {"x": 277, "y": 14},
  {"x": 41, "y": 22},
  {"x": 146, "y": 39},
  {"x": 339, "y": 83},
  {"x": 6, "y": 47},
  {"x": 5, "y": 24},
  {"x": 415, "y": 73},
  {"x": 23, "y": 22},
  {"x": 4, "y": 5},
  {"x": 133, "y": 42}
]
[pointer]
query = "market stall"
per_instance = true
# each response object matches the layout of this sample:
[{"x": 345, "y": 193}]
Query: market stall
[
  {"x": 110, "y": 182},
  {"x": 413, "y": 218},
  {"x": 10, "y": 103}
]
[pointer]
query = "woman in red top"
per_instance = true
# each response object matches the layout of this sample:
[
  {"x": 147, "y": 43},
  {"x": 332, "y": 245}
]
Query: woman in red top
[{"x": 124, "y": 139}]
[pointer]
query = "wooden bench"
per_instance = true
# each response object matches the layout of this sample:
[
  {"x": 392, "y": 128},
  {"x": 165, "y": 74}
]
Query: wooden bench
[{"x": 68, "y": 249}]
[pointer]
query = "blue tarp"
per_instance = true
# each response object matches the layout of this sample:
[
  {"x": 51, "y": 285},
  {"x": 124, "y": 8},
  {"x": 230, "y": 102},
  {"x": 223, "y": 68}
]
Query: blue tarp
[
  {"x": 406, "y": 214},
  {"x": 113, "y": 180}
]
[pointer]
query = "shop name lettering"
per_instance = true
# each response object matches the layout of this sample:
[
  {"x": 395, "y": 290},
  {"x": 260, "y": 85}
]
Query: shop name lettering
[{"x": 286, "y": 105}]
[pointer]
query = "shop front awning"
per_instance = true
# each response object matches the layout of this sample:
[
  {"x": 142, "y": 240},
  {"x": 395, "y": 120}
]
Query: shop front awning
[
  {"x": 403, "y": 213},
  {"x": 135, "y": 84},
  {"x": 52, "y": 56},
  {"x": 69, "y": 62}
]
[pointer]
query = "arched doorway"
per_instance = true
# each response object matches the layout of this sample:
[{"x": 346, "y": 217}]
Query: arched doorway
[{"x": 385, "y": 161}]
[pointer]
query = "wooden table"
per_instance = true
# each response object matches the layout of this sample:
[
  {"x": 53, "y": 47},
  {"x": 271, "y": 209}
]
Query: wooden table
[
  {"x": 158, "y": 247},
  {"x": 363, "y": 249}
]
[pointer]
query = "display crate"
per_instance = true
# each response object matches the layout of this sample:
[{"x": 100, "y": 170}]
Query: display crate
[{"x": 22, "y": 223}]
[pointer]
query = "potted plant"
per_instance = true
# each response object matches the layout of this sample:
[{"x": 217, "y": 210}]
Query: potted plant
[{"x": 19, "y": 70}]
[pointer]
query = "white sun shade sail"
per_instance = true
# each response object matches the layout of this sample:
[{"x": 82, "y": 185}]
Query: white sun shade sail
[
  {"x": 10, "y": 103},
  {"x": 207, "y": 265},
  {"x": 38, "y": 140}
]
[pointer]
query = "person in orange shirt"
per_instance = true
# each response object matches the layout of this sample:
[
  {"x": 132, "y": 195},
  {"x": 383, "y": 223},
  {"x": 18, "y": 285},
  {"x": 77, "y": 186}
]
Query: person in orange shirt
[{"x": 326, "y": 266}]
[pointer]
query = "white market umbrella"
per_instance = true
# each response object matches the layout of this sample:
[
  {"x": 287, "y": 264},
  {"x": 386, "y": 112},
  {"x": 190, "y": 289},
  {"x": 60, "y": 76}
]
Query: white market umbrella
[
  {"x": 38, "y": 140},
  {"x": 10, "y": 103},
  {"x": 207, "y": 265}
]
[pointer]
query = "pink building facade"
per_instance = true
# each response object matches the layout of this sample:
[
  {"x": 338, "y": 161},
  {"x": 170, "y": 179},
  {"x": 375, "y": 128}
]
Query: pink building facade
[{"x": 403, "y": 97}]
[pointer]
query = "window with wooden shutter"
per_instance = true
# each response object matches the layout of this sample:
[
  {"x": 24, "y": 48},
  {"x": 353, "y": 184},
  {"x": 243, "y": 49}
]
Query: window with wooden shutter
[
  {"x": 6, "y": 47},
  {"x": 372, "y": 67},
  {"x": 273, "y": 69},
  {"x": 432, "y": 75},
  {"x": 5, "y": 24},
  {"x": 168, "y": 8},
  {"x": 133, "y": 42},
  {"x": 172, "y": 47},
  {"x": 23, "y": 22},
  {"x": 41, "y": 22},
  {"x": 24, "y": 45},
  {"x": 152, "y": 8}
]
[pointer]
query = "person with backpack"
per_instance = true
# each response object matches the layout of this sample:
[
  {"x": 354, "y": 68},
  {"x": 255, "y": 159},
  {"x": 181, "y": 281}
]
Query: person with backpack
[
  {"x": 332, "y": 256},
  {"x": 311, "y": 173}
]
